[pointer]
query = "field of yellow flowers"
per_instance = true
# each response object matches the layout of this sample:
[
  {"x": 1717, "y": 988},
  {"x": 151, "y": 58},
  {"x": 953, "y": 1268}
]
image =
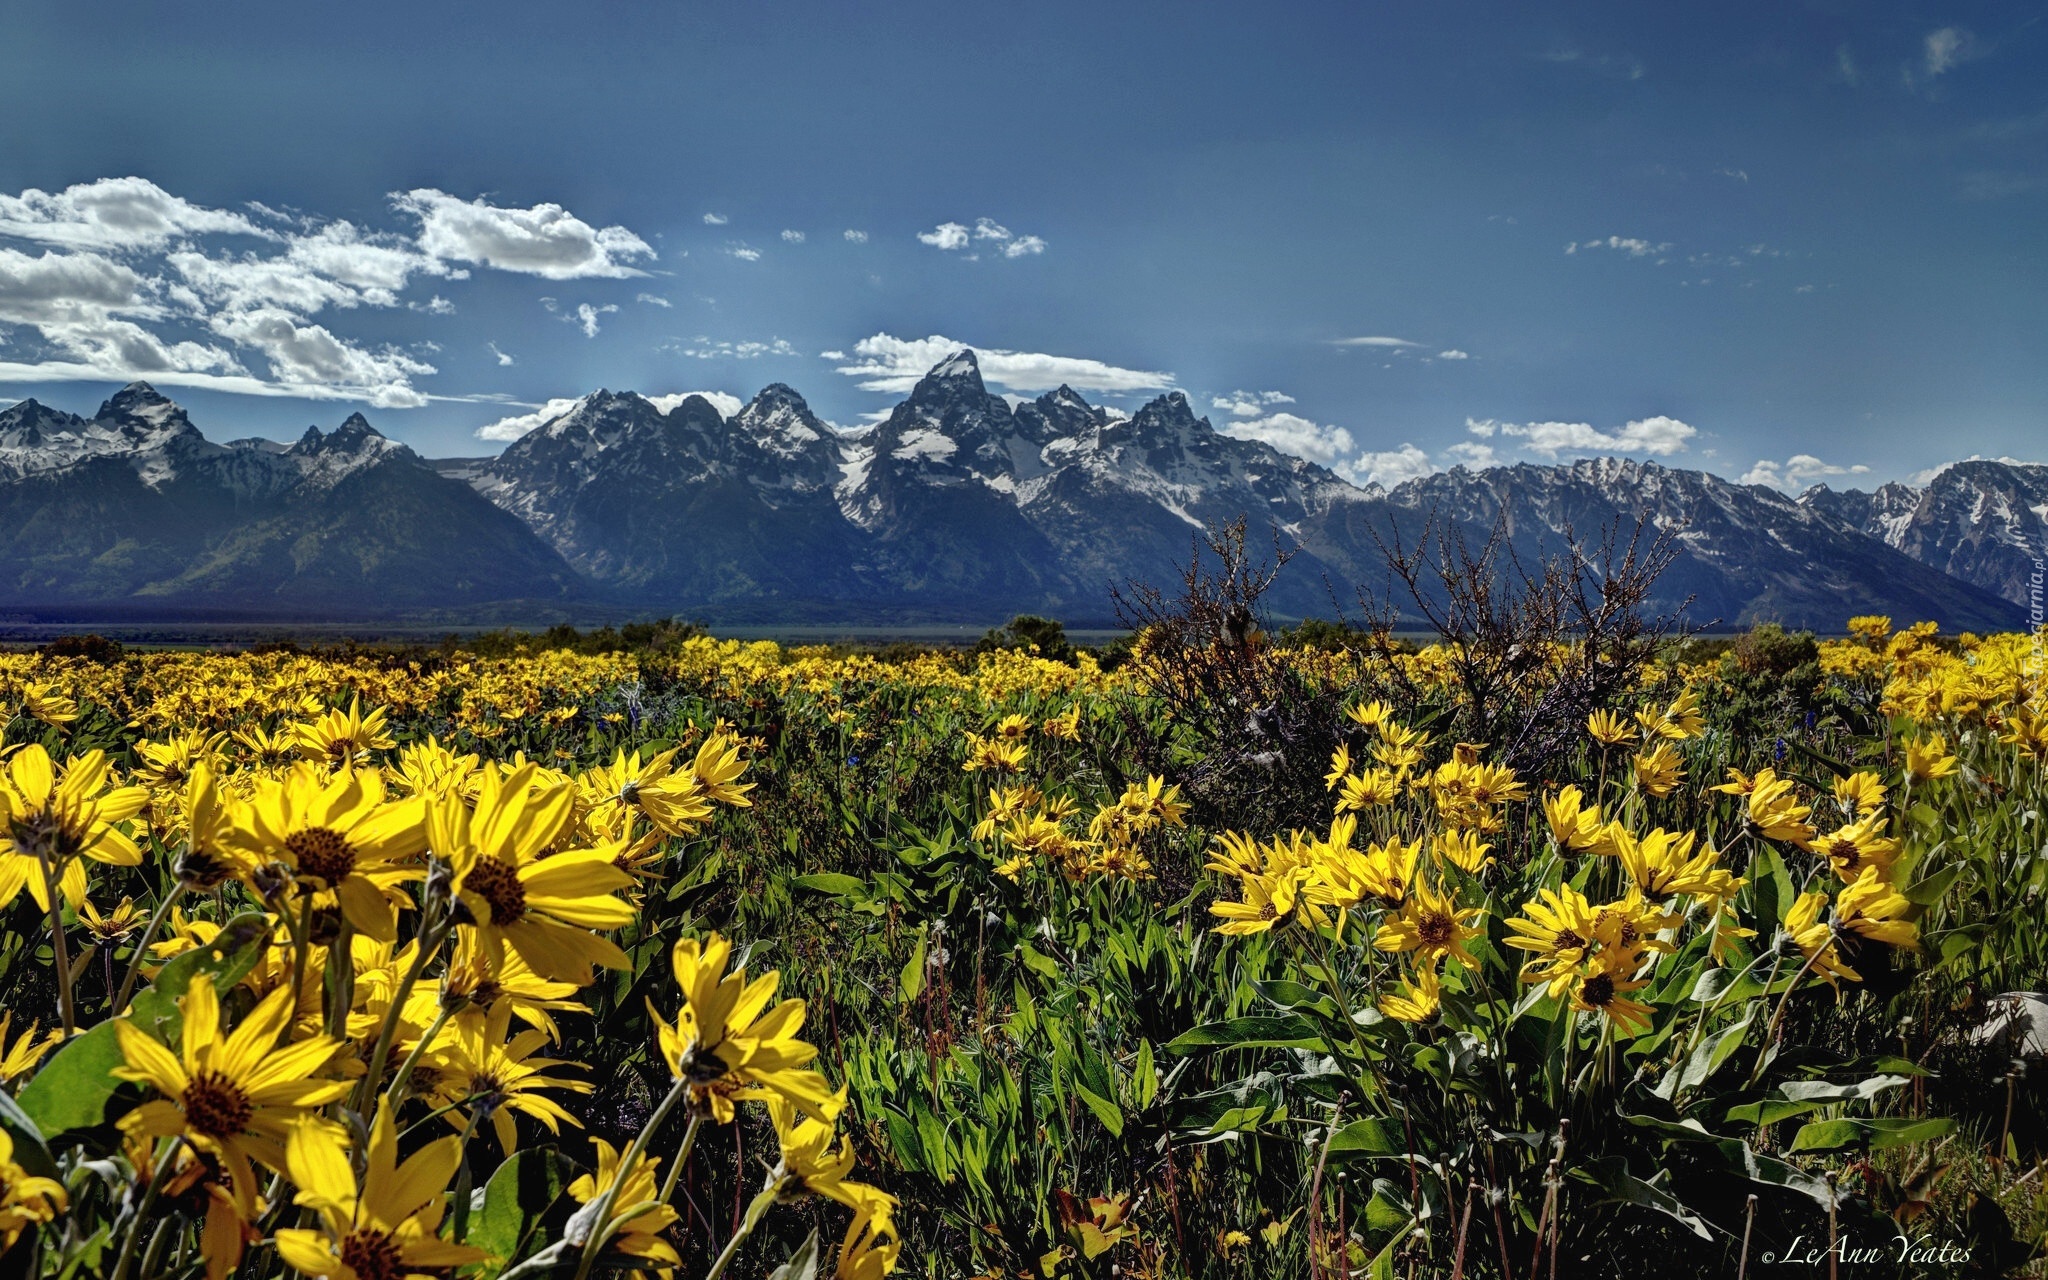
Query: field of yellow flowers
[{"x": 716, "y": 959}]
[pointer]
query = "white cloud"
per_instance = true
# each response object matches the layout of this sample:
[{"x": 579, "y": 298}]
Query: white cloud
[
  {"x": 715, "y": 219},
  {"x": 1950, "y": 47},
  {"x": 1473, "y": 454},
  {"x": 745, "y": 253},
  {"x": 545, "y": 240},
  {"x": 792, "y": 237},
  {"x": 310, "y": 355},
  {"x": 1657, "y": 436},
  {"x": 1454, "y": 354},
  {"x": 990, "y": 229},
  {"x": 652, "y": 299},
  {"x": 1249, "y": 404},
  {"x": 518, "y": 425},
  {"x": 855, "y": 237},
  {"x": 1376, "y": 341},
  {"x": 706, "y": 349},
  {"x": 1737, "y": 175},
  {"x": 1390, "y": 467},
  {"x": 586, "y": 317},
  {"x": 115, "y": 214},
  {"x": 504, "y": 360},
  {"x": 726, "y": 403},
  {"x": 1633, "y": 246},
  {"x": 887, "y": 363},
  {"x": 1796, "y": 472},
  {"x": 1291, "y": 433},
  {"x": 947, "y": 235},
  {"x": 1022, "y": 246}
]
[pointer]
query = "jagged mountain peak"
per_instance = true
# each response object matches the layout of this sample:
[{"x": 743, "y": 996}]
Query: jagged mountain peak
[
  {"x": 956, "y": 377},
  {"x": 139, "y": 400}
]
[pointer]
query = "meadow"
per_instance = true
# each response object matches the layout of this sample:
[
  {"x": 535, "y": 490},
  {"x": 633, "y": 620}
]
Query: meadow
[{"x": 1216, "y": 954}]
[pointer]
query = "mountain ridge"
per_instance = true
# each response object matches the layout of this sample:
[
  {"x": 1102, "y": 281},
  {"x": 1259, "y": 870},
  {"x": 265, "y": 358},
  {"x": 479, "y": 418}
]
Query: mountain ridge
[{"x": 956, "y": 504}]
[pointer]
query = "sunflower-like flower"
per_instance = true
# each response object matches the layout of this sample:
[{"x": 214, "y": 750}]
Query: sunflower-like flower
[
  {"x": 1608, "y": 728},
  {"x": 343, "y": 739},
  {"x": 1557, "y": 928},
  {"x": 1772, "y": 807},
  {"x": 1574, "y": 824},
  {"x": 1662, "y": 864},
  {"x": 812, "y": 1165},
  {"x": 495, "y": 1075},
  {"x": 510, "y": 895},
  {"x": 234, "y": 1097},
  {"x": 1870, "y": 908},
  {"x": 1861, "y": 793},
  {"x": 1815, "y": 937},
  {"x": 342, "y": 839},
  {"x": 1605, "y": 989},
  {"x": 44, "y": 701},
  {"x": 25, "y": 1200},
  {"x": 1659, "y": 769},
  {"x": 1432, "y": 925},
  {"x": 388, "y": 1227},
  {"x": 1928, "y": 759},
  {"x": 730, "y": 1045},
  {"x": 471, "y": 981},
  {"x": 1856, "y": 846},
  {"x": 113, "y": 927},
  {"x": 1367, "y": 789},
  {"x": 165, "y": 765},
  {"x": 639, "y": 1215},
  {"x": 869, "y": 1249},
  {"x": 1417, "y": 999},
  {"x": 48, "y": 820},
  {"x": 1265, "y": 903},
  {"x": 19, "y": 1056}
]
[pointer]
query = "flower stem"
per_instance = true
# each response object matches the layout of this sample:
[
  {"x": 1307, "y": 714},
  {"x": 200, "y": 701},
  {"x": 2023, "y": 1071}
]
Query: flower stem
[
  {"x": 61, "y": 953},
  {"x": 431, "y": 939},
  {"x": 156, "y": 922},
  {"x": 682, "y": 1157},
  {"x": 397, "y": 1090},
  {"x": 601, "y": 1214}
]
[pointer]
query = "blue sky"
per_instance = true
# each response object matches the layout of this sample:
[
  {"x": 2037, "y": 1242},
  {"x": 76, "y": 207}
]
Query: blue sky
[{"x": 1773, "y": 240}]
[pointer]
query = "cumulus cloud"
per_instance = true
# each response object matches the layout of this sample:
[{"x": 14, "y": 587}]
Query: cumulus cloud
[
  {"x": 545, "y": 240},
  {"x": 1656, "y": 436},
  {"x": 705, "y": 349},
  {"x": 520, "y": 424},
  {"x": 504, "y": 360},
  {"x": 1391, "y": 467},
  {"x": 715, "y": 219},
  {"x": 744, "y": 252},
  {"x": 1796, "y": 472},
  {"x": 1473, "y": 454},
  {"x": 888, "y": 363},
  {"x": 115, "y": 214},
  {"x": 955, "y": 235},
  {"x": 652, "y": 299},
  {"x": 1454, "y": 354},
  {"x": 855, "y": 237},
  {"x": 792, "y": 237},
  {"x": 947, "y": 235},
  {"x": 725, "y": 402},
  {"x": 1633, "y": 246},
  {"x": 311, "y": 355},
  {"x": 1292, "y": 433},
  {"x": 1249, "y": 404}
]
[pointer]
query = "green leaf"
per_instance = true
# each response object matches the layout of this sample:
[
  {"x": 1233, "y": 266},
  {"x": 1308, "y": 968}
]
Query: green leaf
[
  {"x": 1712, "y": 1053},
  {"x": 1106, "y": 1111},
  {"x": 228, "y": 959},
  {"x": 522, "y": 1190},
  {"x": 832, "y": 884},
  {"x": 1290, "y": 1032},
  {"x": 1891, "y": 1131},
  {"x": 1368, "y": 1137},
  {"x": 1038, "y": 962},
  {"x": 803, "y": 1264},
  {"x": 30, "y": 1152},
  {"x": 912, "y": 980},
  {"x": 1927, "y": 892},
  {"x": 71, "y": 1090},
  {"x": 1612, "y": 1175}
]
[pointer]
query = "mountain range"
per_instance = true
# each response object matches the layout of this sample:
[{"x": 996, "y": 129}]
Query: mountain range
[{"x": 959, "y": 506}]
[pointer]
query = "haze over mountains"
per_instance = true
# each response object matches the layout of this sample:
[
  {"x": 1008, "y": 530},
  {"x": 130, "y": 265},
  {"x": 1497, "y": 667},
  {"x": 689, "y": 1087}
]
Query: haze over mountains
[{"x": 956, "y": 507}]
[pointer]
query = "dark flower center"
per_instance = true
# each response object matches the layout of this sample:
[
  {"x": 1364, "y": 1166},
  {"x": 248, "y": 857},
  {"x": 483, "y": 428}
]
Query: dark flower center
[
  {"x": 496, "y": 881},
  {"x": 1598, "y": 991},
  {"x": 372, "y": 1255},
  {"x": 216, "y": 1106},
  {"x": 321, "y": 853},
  {"x": 1568, "y": 940},
  {"x": 1435, "y": 929}
]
